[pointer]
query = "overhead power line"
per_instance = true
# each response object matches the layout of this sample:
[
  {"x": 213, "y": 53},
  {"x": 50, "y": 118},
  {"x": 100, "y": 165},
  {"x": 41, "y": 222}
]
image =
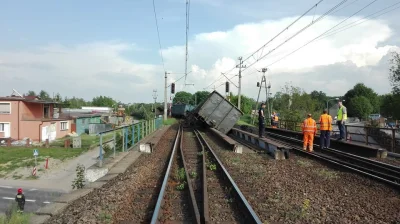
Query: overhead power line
[
  {"x": 298, "y": 32},
  {"x": 322, "y": 33},
  {"x": 158, "y": 34},
  {"x": 262, "y": 47}
]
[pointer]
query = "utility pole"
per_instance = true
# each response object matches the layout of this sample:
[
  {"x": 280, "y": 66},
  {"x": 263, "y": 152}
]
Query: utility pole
[
  {"x": 240, "y": 66},
  {"x": 155, "y": 100},
  {"x": 165, "y": 97},
  {"x": 262, "y": 84}
]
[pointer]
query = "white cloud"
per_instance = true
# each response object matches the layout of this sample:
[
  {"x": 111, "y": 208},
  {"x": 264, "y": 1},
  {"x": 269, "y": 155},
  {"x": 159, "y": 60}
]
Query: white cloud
[{"x": 333, "y": 64}]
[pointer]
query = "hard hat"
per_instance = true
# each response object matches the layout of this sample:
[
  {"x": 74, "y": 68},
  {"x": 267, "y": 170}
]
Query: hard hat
[{"x": 20, "y": 190}]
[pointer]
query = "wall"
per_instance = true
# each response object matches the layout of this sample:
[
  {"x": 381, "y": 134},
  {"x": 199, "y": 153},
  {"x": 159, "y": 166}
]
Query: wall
[
  {"x": 11, "y": 118},
  {"x": 33, "y": 129}
]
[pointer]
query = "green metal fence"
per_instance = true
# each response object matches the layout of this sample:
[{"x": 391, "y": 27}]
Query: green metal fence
[{"x": 125, "y": 137}]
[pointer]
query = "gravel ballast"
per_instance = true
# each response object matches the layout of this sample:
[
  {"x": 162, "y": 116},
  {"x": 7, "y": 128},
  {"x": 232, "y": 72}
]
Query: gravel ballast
[
  {"x": 301, "y": 190},
  {"x": 129, "y": 197}
]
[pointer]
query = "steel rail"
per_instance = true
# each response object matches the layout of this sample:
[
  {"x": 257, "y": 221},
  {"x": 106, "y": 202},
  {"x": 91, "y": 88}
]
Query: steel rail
[
  {"x": 251, "y": 216},
  {"x": 356, "y": 168},
  {"x": 391, "y": 170},
  {"x": 160, "y": 198},
  {"x": 195, "y": 208}
]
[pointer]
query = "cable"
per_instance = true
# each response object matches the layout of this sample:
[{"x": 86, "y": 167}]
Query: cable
[
  {"x": 298, "y": 32},
  {"x": 321, "y": 34},
  {"x": 370, "y": 15},
  {"x": 262, "y": 47},
  {"x": 158, "y": 34}
]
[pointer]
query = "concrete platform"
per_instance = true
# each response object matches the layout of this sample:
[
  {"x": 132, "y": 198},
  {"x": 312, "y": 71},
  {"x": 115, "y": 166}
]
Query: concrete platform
[
  {"x": 95, "y": 185},
  {"x": 275, "y": 149},
  {"x": 108, "y": 177},
  {"x": 51, "y": 209},
  {"x": 67, "y": 198},
  {"x": 353, "y": 148},
  {"x": 36, "y": 219},
  {"x": 235, "y": 146}
]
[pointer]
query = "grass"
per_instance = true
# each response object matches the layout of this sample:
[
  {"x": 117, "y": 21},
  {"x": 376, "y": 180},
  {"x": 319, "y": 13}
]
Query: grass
[
  {"x": 304, "y": 163},
  {"x": 12, "y": 158},
  {"x": 169, "y": 121},
  {"x": 327, "y": 174},
  {"x": 245, "y": 120},
  {"x": 87, "y": 141},
  {"x": 13, "y": 217}
]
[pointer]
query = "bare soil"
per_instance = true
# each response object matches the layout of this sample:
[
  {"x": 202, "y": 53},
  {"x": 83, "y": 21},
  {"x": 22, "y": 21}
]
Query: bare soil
[{"x": 301, "y": 190}]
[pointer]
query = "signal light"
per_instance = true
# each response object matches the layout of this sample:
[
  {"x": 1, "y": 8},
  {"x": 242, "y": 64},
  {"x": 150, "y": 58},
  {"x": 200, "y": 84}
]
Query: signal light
[
  {"x": 258, "y": 84},
  {"x": 227, "y": 87},
  {"x": 173, "y": 88}
]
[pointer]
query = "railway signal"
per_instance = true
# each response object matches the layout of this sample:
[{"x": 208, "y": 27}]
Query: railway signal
[
  {"x": 173, "y": 88},
  {"x": 227, "y": 87}
]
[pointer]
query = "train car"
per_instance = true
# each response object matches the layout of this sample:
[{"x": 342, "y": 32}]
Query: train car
[
  {"x": 217, "y": 112},
  {"x": 181, "y": 110}
]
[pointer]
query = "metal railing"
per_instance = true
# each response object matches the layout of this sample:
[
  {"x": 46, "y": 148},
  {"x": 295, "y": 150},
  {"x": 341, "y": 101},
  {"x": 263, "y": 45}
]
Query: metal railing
[
  {"x": 125, "y": 137},
  {"x": 387, "y": 138}
]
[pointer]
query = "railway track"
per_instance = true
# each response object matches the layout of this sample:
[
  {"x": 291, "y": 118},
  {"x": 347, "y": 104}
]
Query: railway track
[
  {"x": 384, "y": 172},
  {"x": 205, "y": 193}
]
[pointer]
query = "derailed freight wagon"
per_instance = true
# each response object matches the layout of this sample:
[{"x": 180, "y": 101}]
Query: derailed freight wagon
[
  {"x": 217, "y": 112},
  {"x": 180, "y": 110}
]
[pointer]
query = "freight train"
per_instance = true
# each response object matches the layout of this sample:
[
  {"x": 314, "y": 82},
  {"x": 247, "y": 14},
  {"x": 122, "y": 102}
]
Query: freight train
[
  {"x": 181, "y": 110},
  {"x": 215, "y": 112}
]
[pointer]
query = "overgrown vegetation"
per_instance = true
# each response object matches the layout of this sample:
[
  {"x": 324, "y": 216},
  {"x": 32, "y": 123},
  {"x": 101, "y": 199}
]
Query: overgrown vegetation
[
  {"x": 12, "y": 216},
  {"x": 79, "y": 181},
  {"x": 169, "y": 121}
]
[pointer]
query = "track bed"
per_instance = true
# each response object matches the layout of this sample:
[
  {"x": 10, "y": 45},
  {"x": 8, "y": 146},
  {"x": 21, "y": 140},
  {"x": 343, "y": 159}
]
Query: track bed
[{"x": 300, "y": 190}]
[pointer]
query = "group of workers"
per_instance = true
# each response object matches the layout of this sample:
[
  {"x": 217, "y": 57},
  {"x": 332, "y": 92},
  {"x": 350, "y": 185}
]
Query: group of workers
[{"x": 309, "y": 126}]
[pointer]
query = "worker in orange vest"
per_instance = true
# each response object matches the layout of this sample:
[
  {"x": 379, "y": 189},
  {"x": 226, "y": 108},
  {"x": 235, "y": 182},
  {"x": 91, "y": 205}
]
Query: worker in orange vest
[
  {"x": 309, "y": 128},
  {"x": 325, "y": 127}
]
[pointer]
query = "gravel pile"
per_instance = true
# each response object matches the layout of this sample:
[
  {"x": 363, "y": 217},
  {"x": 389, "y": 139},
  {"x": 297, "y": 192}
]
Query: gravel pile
[
  {"x": 129, "y": 197},
  {"x": 300, "y": 190}
]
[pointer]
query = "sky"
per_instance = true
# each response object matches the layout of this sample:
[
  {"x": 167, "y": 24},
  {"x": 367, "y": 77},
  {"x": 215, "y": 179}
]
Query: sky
[{"x": 91, "y": 48}]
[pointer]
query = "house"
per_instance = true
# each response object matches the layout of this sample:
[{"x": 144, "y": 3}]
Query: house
[{"x": 29, "y": 116}]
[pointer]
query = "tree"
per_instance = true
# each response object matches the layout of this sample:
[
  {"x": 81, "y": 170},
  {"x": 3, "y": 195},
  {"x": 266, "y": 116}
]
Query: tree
[
  {"x": 200, "y": 96},
  {"x": 44, "y": 95},
  {"x": 31, "y": 93},
  {"x": 103, "y": 101},
  {"x": 75, "y": 102},
  {"x": 183, "y": 97},
  {"x": 394, "y": 74},
  {"x": 58, "y": 97},
  {"x": 320, "y": 99},
  {"x": 361, "y": 106},
  {"x": 361, "y": 90},
  {"x": 247, "y": 104}
]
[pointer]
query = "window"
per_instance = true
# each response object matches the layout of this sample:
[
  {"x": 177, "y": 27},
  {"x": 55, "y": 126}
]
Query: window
[
  {"x": 46, "y": 111},
  {"x": 5, "y": 108},
  {"x": 1, "y": 127},
  {"x": 64, "y": 125}
]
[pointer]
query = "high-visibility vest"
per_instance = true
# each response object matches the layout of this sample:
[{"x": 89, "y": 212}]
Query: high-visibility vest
[
  {"x": 325, "y": 122},
  {"x": 340, "y": 115},
  {"x": 276, "y": 118},
  {"x": 309, "y": 125}
]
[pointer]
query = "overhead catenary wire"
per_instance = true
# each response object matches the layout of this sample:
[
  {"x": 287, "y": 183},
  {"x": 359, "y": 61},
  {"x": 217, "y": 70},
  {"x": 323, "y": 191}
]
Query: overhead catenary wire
[
  {"x": 158, "y": 34},
  {"x": 321, "y": 34},
  {"x": 298, "y": 32},
  {"x": 262, "y": 47}
]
